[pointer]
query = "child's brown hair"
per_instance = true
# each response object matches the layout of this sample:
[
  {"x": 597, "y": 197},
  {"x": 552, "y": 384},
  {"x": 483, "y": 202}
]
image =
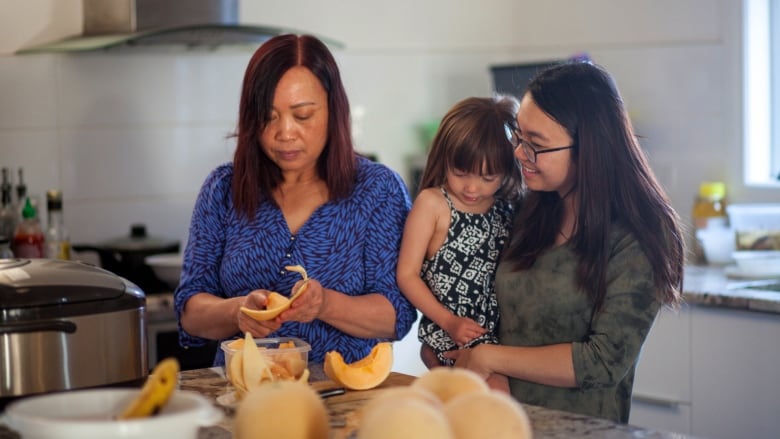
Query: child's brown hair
[{"x": 475, "y": 134}]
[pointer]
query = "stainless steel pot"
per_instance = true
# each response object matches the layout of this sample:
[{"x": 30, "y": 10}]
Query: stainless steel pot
[{"x": 68, "y": 325}]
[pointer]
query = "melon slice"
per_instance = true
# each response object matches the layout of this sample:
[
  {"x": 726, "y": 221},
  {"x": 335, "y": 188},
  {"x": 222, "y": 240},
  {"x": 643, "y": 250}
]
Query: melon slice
[
  {"x": 256, "y": 368},
  {"x": 363, "y": 374},
  {"x": 276, "y": 303}
]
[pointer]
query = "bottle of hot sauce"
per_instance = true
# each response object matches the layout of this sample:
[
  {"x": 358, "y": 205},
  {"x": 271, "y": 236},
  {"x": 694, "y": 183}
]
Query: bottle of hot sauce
[{"x": 28, "y": 239}]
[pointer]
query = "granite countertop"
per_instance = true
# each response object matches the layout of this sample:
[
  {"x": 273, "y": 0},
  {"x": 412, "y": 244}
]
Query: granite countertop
[
  {"x": 711, "y": 286},
  {"x": 546, "y": 423}
]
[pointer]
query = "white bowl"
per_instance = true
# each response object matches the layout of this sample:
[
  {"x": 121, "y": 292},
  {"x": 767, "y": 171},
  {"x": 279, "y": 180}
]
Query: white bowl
[
  {"x": 758, "y": 261},
  {"x": 167, "y": 267},
  {"x": 718, "y": 244},
  {"x": 89, "y": 414}
]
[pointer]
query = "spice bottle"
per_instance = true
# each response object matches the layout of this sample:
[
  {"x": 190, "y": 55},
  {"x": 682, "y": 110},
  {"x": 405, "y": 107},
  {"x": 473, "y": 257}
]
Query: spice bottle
[
  {"x": 28, "y": 239},
  {"x": 57, "y": 238},
  {"x": 709, "y": 211}
]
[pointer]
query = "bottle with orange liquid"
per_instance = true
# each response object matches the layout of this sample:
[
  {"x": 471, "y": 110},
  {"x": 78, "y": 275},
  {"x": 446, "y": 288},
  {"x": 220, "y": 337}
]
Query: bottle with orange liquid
[
  {"x": 29, "y": 239},
  {"x": 709, "y": 212}
]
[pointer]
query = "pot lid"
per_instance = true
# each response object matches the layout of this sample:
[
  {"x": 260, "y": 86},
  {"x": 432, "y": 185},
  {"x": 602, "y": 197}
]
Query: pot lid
[
  {"x": 28, "y": 283},
  {"x": 139, "y": 241}
]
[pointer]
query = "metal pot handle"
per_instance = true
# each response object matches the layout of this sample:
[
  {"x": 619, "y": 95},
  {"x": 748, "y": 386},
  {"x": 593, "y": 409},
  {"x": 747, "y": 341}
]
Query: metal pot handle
[
  {"x": 108, "y": 259},
  {"x": 46, "y": 325}
]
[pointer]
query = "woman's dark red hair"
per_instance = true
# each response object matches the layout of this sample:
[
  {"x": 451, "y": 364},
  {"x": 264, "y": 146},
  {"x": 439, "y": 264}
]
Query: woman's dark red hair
[{"x": 254, "y": 174}]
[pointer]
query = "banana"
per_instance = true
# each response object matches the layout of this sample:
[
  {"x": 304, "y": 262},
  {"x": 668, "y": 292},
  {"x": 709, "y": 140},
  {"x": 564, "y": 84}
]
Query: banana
[{"x": 156, "y": 392}]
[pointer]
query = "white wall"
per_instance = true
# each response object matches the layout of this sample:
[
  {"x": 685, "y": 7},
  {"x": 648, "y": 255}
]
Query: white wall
[{"x": 130, "y": 137}]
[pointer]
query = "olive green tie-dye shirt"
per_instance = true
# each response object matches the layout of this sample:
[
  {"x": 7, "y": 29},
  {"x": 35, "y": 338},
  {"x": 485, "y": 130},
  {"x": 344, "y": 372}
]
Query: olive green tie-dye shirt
[{"x": 542, "y": 306}]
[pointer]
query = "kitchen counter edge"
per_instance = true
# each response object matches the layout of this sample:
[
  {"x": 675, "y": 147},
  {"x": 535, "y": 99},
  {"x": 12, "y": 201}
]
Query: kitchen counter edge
[{"x": 710, "y": 286}]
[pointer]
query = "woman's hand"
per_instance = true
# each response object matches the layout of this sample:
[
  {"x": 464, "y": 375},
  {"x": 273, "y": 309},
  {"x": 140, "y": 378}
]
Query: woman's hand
[
  {"x": 463, "y": 329},
  {"x": 256, "y": 300},
  {"x": 308, "y": 305},
  {"x": 472, "y": 359}
]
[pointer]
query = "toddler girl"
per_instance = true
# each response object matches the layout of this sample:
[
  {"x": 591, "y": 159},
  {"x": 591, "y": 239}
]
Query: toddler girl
[{"x": 457, "y": 228}]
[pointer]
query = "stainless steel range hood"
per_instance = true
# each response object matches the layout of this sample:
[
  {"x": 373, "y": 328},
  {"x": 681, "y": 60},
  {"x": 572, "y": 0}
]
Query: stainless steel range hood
[{"x": 118, "y": 24}]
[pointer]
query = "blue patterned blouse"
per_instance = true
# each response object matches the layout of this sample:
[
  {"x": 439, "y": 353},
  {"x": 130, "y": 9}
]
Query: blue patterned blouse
[{"x": 350, "y": 246}]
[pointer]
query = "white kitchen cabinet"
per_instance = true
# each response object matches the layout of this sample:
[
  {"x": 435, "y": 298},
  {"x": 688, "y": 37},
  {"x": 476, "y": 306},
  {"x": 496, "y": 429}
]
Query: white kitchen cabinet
[
  {"x": 662, "y": 385},
  {"x": 736, "y": 379},
  {"x": 710, "y": 372}
]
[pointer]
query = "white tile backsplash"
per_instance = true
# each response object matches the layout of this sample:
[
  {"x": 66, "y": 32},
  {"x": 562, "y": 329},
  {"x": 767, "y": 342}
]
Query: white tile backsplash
[
  {"x": 149, "y": 89},
  {"x": 28, "y": 92},
  {"x": 147, "y": 161},
  {"x": 128, "y": 137},
  {"x": 165, "y": 217},
  {"x": 36, "y": 151}
]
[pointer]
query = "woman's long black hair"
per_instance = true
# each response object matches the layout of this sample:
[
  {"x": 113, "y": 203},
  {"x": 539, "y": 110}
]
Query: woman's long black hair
[{"x": 614, "y": 185}]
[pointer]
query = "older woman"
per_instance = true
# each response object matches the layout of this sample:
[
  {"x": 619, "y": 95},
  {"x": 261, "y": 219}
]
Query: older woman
[{"x": 296, "y": 193}]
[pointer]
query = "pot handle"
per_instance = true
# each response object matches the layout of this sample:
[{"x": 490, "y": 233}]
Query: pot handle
[
  {"x": 85, "y": 248},
  {"x": 46, "y": 325},
  {"x": 107, "y": 258}
]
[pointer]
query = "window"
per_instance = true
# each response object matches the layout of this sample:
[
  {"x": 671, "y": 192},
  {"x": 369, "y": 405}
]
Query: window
[{"x": 762, "y": 92}]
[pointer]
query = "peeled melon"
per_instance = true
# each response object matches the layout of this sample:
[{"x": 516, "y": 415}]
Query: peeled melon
[
  {"x": 275, "y": 300},
  {"x": 494, "y": 415},
  {"x": 363, "y": 374},
  {"x": 237, "y": 344},
  {"x": 281, "y": 409},
  {"x": 449, "y": 382},
  {"x": 235, "y": 371},
  {"x": 256, "y": 368},
  {"x": 413, "y": 419}
]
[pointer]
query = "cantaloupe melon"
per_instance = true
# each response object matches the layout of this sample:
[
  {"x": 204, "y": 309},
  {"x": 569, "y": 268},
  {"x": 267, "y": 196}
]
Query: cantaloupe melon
[
  {"x": 281, "y": 409},
  {"x": 363, "y": 374},
  {"x": 494, "y": 415},
  {"x": 277, "y": 303},
  {"x": 235, "y": 373},
  {"x": 399, "y": 396},
  {"x": 237, "y": 344},
  {"x": 413, "y": 419},
  {"x": 448, "y": 382},
  {"x": 275, "y": 300},
  {"x": 256, "y": 368}
]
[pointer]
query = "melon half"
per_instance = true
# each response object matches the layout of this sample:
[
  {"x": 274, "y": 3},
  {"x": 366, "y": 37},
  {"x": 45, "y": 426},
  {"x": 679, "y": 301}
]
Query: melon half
[{"x": 363, "y": 374}]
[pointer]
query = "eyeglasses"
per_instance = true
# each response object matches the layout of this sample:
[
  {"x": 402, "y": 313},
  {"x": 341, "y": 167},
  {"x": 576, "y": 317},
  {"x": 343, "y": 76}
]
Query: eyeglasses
[{"x": 530, "y": 149}]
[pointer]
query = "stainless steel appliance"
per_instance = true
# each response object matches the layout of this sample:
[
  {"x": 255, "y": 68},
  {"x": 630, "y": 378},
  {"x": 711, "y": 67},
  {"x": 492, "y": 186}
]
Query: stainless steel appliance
[
  {"x": 163, "y": 336},
  {"x": 68, "y": 325},
  {"x": 126, "y": 256},
  {"x": 128, "y": 24}
]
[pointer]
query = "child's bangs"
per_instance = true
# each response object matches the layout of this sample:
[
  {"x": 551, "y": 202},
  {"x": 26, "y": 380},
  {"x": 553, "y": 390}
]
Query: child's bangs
[{"x": 481, "y": 158}]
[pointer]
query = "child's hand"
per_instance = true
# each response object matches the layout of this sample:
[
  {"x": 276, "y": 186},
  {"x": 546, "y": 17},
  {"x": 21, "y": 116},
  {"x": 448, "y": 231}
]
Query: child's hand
[{"x": 462, "y": 330}]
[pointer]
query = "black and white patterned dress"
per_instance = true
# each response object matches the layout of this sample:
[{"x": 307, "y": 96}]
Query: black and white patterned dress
[{"x": 462, "y": 273}]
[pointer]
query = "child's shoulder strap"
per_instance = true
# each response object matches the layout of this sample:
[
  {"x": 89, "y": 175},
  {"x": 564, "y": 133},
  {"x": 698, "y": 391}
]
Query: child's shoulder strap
[{"x": 446, "y": 196}]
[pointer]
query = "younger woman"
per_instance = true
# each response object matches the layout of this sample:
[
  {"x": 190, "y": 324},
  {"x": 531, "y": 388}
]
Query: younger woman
[
  {"x": 596, "y": 250},
  {"x": 457, "y": 227}
]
